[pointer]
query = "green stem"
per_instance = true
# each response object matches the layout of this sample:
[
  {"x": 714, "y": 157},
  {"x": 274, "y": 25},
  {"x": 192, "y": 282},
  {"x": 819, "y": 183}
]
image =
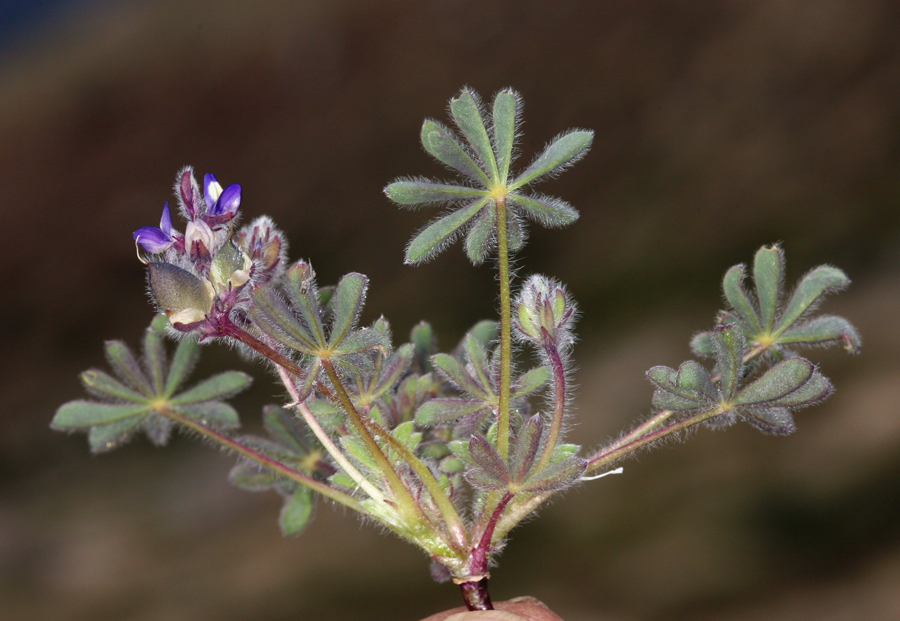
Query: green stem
[
  {"x": 407, "y": 504},
  {"x": 326, "y": 441},
  {"x": 505, "y": 332},
  {"x": 265, "y": 460}
]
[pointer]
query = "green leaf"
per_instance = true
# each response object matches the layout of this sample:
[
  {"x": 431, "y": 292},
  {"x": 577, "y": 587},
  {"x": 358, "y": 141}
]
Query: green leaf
[
  {"x": 283, "y": 427},
  {"x": 217, "y": 387},
  {"x": 783, "y": 378},
  {"x": 412, "y": 192},
  {"x": 297, "y": 511},
  {"x": 768, "y": 270},
  {"x": 816, "y": 389},
  {"x": 729, "y": 342},
  {"x": 438, "y": 141},
  {"x": 813, "y": 286},
  {"x": 771, "y": 420},
  {"x": 506, "y": 106},
  {"x": 425, "y": 345},
  {"x": 252, "y": 477},
  {"x": 823, "y": 330},
  {"x": 126, "y": 366},
  {"x": 737, "y": 296},
  {"x": 549, "y": 211},
  {"x": 348, "y": 302},
  {"x": 466, "y": 111},
  {"x": 393, "y": 369},
  {"x": 101, "y": 383},
  {"x": 273, "y": 316},
  {"x": 702, "y": 344},
  {"x": 363, "y": 340},
  {"x": 530, "y": 381},
  {"x": 182, "y": 364},
  {"x": 438, "y": 411},
  {"x": 481, "y": 235},
  {"x": 685, "y": 389},
  {"x": 456, "y": 373},
  {"x": 155, "y": 359},
  {"x": 105, "y": 437},
  {"x": 211, "y": 413},
  {"x": 515, "y": 232},
  {"x": 304, "y": 295},
  {"x": 563, "y": 151},
  {"x": 435, "y": 236},
  {"x": 80, "y": 414}
]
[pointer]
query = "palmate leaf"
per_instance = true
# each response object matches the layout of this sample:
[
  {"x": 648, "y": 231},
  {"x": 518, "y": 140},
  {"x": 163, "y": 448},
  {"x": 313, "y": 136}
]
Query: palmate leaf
[
  {"x": 292, "y": 447},
  {"x": 145, "y": 390},
  {"x": 483, "y": 158},
  {"x": 765, "y": 402},
  {"x": 771, "y": 323}
]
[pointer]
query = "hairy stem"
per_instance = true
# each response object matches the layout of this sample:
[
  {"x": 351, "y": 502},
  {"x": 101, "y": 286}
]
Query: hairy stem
[
  {"x": 505, "y": 332},
  {"x": 559, "y": 401},
  {"x": 265, "y": 460},
  {"x": 634, "y": 439},
  {"x": 340, "y": 459},
  {"x": 475, "y": 587},
  {"x": 401, "y": 495},
  {"x": 606, "y": 456}
]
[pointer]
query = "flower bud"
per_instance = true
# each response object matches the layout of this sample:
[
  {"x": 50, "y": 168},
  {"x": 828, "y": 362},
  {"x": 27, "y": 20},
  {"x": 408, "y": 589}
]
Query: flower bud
[{"x": 545, "y": 312}]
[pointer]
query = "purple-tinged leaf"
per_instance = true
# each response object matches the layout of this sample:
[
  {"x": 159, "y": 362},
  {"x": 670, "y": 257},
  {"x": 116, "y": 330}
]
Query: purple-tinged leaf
[
  {"x": 771, "y": 420},
  {"x": 557, "y": 477},
  {"x": 438, "y": 411},
  {"x": 488, "y": 459},
  {"x": 527, "y": 443},
  {"x": 453, "y": 370},
  {"x": 480, "y": 479}
]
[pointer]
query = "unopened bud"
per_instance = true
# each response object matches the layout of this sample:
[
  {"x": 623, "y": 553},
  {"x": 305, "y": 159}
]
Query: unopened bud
[{"x": 545, "y": 312}]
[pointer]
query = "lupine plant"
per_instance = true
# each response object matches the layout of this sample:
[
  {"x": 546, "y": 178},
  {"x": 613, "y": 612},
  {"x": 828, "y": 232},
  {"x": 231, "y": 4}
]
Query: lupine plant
[{"x": 450, "y": 451}]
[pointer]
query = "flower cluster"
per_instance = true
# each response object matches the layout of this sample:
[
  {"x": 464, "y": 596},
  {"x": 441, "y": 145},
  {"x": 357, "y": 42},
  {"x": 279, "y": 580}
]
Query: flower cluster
[{"x": 202, "y": 275}]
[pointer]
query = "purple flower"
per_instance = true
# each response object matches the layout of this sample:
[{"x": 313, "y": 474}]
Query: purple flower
[
  {"x": 155, "y": 240},
  {"x": 221, "y": 202}
]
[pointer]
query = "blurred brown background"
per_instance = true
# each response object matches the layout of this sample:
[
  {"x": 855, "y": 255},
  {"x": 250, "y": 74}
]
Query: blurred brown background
[{"x": 721, "y": 126}]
